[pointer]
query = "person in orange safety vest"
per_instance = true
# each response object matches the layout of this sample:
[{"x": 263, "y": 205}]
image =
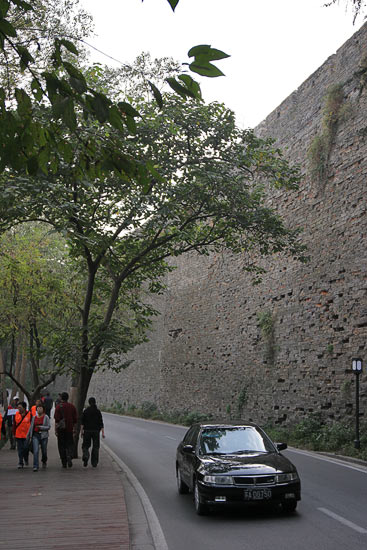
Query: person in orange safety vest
[
  {"x": 34, "y": 408},
  {"x": 21, "y": 425}
]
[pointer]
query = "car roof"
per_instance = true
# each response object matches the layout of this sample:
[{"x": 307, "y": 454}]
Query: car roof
[{"x": 230, "y": 424}]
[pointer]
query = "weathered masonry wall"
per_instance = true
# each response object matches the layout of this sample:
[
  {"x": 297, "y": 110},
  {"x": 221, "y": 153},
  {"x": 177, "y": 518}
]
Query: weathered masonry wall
[{"x": 283, "y": 349}]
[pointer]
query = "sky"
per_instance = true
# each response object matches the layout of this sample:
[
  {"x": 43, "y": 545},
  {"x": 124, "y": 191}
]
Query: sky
[{"x": 274, "y": 44}]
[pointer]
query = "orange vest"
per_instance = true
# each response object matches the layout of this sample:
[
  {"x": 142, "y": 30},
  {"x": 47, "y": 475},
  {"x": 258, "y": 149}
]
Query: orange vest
[
  {"x": 34, "y": 410},
  {"x": 22, "y": 428}
]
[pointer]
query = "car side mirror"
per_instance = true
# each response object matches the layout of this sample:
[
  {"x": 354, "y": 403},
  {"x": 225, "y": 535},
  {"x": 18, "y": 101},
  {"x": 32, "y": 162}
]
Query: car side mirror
[
  {"x": 281, "y": 446},
  {"x": 188, "y": 449}
]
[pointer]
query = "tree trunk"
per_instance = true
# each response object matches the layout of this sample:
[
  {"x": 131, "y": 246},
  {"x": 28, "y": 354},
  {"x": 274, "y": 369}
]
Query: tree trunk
[
  {"x": 3, "y": 384},
  {"x": 80, "y": 397},
  {"x": 18, "y": 362},
  {"x": 23, "y": 366}
]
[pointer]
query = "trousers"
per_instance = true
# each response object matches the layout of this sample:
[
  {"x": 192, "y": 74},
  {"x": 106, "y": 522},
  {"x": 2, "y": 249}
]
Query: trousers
[
  {"x": 91, "y": 437},
  {"x": 65, "y": 444},
  {"x": 37, "y": 442}
]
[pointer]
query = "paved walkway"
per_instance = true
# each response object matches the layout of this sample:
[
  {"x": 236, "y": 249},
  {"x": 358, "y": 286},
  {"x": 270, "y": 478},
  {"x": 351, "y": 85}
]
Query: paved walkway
[{"x": 77, "y": 508}]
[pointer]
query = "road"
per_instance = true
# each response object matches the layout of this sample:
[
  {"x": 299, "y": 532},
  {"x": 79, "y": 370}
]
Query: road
[{"x": 331, "y": 516}]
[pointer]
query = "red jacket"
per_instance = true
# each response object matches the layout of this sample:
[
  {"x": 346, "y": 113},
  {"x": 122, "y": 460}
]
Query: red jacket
[{"x": 68, "y": 411}]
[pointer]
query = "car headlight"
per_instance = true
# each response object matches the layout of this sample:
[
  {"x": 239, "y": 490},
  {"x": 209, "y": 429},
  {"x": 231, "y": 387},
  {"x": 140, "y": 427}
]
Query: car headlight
[
  {"x": 218, "y": 480},
  {"x": 286, "y": 478}
]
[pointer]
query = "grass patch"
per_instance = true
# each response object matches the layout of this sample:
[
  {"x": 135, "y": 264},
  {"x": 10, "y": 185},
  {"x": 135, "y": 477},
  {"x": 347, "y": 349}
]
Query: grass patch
[{"x": 316, "y": 435}]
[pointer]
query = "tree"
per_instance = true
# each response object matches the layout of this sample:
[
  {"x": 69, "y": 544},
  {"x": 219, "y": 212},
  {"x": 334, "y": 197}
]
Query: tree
[
  {"x": 357, "y": 5},
  {"x": 199, "y": 192},
  {"x": 38, "y": 302},
  {"x": 130, "y": 185}
]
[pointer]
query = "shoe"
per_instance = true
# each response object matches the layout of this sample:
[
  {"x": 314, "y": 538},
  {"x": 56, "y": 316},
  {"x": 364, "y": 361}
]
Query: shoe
[
  {"x": 64, "y": 465},
  {"x": 35, "y": 469},
  {"x": 26, "y": 462},
  {"x": 85, "y": 463},
  {"x": 94, "y": 465},
  {"x": 70, "y": 463},
  {"x": 20, "y": 466}
]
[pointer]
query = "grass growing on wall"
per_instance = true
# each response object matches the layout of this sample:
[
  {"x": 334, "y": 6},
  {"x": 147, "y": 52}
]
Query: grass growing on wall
[{"x": 319, "y": 151}]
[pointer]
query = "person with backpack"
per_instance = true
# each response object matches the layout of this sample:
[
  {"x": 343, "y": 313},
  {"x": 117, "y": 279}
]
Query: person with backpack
[
  {"x": 21, "y": 425},
  {"x": 65, "y": 422}
]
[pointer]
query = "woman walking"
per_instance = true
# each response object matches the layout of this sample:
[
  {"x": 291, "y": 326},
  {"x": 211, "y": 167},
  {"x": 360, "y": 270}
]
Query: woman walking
[{"x": 38, "y": 434}]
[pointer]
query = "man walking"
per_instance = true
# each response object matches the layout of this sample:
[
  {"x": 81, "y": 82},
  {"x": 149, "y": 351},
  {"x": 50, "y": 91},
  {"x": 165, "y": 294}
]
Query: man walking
[
  {"x": 48, "y": 403},
  {"x": 65, "y": 421},
  {"x": 91, "y": 425}
]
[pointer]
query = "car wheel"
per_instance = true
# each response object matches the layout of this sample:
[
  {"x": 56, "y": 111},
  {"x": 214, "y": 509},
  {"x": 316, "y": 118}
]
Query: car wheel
[
  {"x": 181, "y": 485},
  {"x": 200, "y": 508},
  {"x": 289, "y": 506}
]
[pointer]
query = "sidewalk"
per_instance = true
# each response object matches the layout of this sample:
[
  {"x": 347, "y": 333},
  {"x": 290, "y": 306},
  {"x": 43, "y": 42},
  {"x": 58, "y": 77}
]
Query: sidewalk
[{"x": 55, "y": 508}]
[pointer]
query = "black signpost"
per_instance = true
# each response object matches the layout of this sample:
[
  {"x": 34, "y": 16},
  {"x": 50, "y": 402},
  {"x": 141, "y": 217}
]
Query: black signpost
[{"x": 357, "y": 369}]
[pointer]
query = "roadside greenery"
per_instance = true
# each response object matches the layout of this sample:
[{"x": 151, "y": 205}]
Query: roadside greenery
[{"x": 315, "y": 434}]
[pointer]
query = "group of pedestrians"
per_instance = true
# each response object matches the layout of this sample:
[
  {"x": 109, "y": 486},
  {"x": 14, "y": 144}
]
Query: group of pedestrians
[{"x": 29, "y": 430}]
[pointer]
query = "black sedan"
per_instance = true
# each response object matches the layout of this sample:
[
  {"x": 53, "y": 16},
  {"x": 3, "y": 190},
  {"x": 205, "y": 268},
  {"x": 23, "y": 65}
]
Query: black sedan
[{"x": 235, "y": 464}]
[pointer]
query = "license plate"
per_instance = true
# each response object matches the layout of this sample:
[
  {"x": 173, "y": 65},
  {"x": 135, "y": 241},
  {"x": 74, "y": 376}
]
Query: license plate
[{"x": 257, "y": 494}]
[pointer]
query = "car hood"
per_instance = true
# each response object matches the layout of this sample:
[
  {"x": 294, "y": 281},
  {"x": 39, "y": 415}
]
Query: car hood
[{"x": 245, "y": 464}]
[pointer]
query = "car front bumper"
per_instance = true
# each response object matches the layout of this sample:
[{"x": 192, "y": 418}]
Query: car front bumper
[{"x": 240, "y": 495}]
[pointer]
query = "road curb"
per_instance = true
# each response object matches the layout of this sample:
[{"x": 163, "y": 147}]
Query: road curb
[{"x": 153, "y": 536}]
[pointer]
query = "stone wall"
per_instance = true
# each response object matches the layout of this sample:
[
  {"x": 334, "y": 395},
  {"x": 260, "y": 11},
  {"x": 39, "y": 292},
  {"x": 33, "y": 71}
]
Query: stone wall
[{"x": 209, "y": 351}]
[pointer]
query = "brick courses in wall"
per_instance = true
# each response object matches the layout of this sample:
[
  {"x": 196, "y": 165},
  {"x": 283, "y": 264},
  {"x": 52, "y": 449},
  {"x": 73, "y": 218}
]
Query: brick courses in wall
[{"x": 208, "y": 352}]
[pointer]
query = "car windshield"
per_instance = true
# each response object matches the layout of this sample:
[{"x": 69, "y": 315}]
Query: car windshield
[{"x": 234, "y": 440}]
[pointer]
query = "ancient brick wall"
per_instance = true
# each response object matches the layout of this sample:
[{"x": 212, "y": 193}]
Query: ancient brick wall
[{"x": 210, "y": 350}]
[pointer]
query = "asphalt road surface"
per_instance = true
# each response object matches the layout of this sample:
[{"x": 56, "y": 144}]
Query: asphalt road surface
[{"x": 332, "y": 514}]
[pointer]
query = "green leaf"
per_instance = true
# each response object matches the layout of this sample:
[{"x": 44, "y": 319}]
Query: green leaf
[
  {"x": 207, "y": 53},
  {"x": 130, "y": 123},
  {"x": 68, "y": 115},
  {"x": 25, "y": 57},
  {"x": 157, "y": 94},
  {"x": 191, "y": 85},
  {"x": 73, "y": 71},
  {"x": 153, "y": 170},
  {"x": 69, "y": 46},
  {"x": 36, "y": 89},
  {"x": 22, "y": 4},
  {"x": 100, "y": 105},
  {"x": 115, "y": 118},
  {"x": 128, "y": 109},
  {"x": 4, "y": 8},
  {"x": 173, "y": 4},
  {"x": 78, "y": 85},
  {"x": 179, "y": 89},
  {"x": 24, "y": 102},
  {"x": 32, "y": 166},
  {"x": 205, "y": 69},
  {"x": 64, "y": 108},
  {"x": 7, "y": 28}
]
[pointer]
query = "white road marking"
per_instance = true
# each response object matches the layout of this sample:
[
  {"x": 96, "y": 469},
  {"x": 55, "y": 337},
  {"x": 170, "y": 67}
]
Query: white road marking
[
  {"x": 168, "y": 437},
  {"x": 344, "y": 521},
  {"x": 337, "y": 461}
]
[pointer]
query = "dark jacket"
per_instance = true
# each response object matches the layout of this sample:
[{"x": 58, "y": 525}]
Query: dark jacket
[
  {"x": 92, "y": 419},
  {"x": 68, "y": 411}
]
